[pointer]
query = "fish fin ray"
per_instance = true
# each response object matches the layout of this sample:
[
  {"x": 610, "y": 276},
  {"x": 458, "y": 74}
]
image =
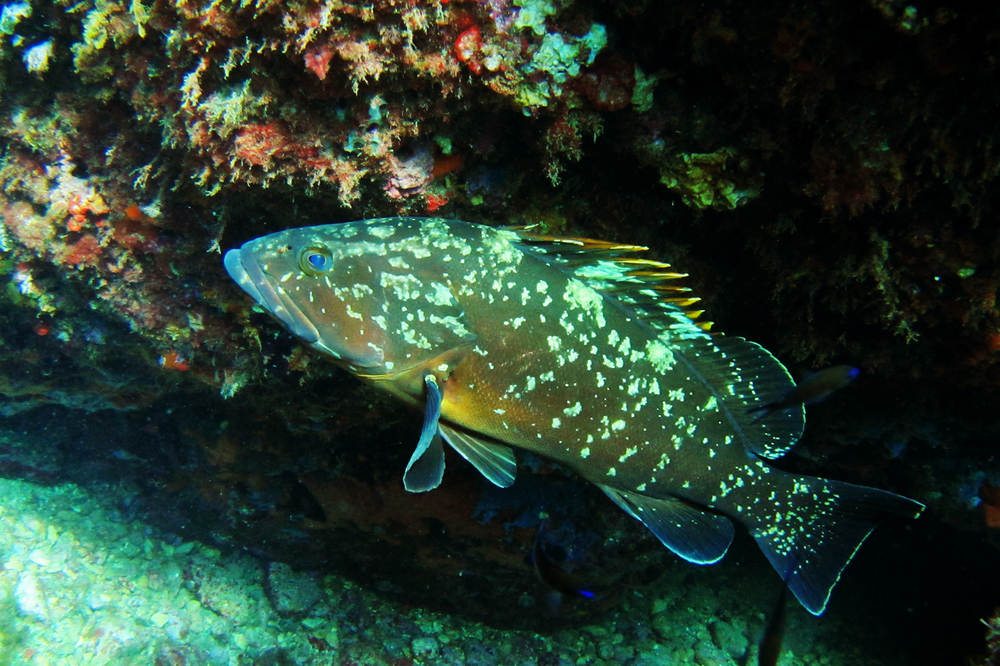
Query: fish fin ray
[
  {"x": 644, "y": 286},
  {"x": 819, "y": 552},
  {"x": 494, "y": 461},
  {"x": 744, "y": 375},
  {"x": 693, "y": 534},
  {"x": 426, "y": 467}
]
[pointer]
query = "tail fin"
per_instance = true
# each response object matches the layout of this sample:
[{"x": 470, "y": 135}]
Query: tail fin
[{"x": 815, "y": 530}]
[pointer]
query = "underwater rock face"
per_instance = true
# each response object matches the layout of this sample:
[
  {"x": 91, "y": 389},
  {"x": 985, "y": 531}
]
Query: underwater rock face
[{"x": 825, "y": 172}]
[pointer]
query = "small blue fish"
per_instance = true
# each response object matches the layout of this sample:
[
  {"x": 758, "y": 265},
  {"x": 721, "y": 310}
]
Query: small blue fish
[
  {"x": 561, "y": 584},
  {"x": 814, "y": 388}
]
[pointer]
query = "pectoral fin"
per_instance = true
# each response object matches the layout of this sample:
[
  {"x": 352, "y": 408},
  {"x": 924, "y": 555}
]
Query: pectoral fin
[
  {"x": 426, "y": 467},
  {"x": 495, "y": 461}
]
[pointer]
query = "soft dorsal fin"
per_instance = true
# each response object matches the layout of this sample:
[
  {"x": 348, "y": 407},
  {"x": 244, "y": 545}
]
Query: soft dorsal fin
[
  {"x": 644, "y": 286},
  {"x": 744, "y": 374}
]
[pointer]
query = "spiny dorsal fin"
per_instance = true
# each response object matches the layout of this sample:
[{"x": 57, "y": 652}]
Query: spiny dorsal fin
[{"x": 644, "y": 285}]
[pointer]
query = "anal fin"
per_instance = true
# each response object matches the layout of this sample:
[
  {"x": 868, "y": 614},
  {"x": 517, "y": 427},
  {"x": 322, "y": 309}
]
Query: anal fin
[{"x": 697, "y": 536}]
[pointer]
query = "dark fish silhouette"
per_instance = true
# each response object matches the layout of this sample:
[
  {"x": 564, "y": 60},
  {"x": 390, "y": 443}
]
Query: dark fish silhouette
[
  {"x": 561, "y": 584},
  {"x": 813, "y": 389},
  {"x": 774, "y": 632}
]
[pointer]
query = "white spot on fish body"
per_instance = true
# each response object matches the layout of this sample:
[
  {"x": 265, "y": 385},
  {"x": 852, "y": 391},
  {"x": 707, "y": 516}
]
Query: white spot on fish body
[
  {"x": 556, "y": 422},
  {"x": 517, "y": 322},
  {"x": 641, "y": 487},
  {"x": 660, "y": 356},
  {"x": 405, "y": 287},
  {"x": 440, "y": 296},
  {"x": 612, "y": 472},
  {"x": 676, "y": 395},
  {"x": 618, "y": 425},
  {"x": 585, "y": 451},
  {"x": 382, "y": 231},
  {"x": 600, "y": 380},
  {"x": 554, "y": 343},
  {"x": 629, "y": 452},
  {"x": 574, "y": 410},
  {"x": 285, "y": 277},
  {"x": 579, "y": 296}
]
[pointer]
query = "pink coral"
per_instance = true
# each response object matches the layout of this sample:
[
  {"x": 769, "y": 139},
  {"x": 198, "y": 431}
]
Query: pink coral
[
  {"x": 318, "y": 61},
  {"x": 34, "y": 231}
]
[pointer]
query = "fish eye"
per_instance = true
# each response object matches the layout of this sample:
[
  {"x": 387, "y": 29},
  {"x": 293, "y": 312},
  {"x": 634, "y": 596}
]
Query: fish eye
[{"x": 315, "y": 260}]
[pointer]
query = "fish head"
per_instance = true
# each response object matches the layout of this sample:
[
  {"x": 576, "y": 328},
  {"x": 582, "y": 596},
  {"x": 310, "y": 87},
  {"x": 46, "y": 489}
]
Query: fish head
[{"x": 370, "y": 296}]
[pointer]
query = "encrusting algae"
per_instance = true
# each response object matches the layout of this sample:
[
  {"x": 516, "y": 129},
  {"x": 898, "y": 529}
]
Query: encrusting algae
[{"x": 578, "y": 351}]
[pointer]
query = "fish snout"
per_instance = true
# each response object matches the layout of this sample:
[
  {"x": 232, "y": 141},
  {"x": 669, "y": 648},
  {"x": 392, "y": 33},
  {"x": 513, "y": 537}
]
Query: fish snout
[{"x": 244, "y": 268}]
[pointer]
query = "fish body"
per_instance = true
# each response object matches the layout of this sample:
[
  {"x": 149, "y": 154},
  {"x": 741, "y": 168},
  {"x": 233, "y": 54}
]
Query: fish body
[
  {"x": 575, "y": 350},
  {"x": 813, "y": 388}
]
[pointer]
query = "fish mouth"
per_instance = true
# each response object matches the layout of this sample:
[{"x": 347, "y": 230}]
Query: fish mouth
[{"x": 244, "y": 269}]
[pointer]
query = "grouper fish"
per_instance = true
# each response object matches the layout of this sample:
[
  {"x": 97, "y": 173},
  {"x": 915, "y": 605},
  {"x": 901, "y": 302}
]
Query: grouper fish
[{"x": 581, "y": 352}]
